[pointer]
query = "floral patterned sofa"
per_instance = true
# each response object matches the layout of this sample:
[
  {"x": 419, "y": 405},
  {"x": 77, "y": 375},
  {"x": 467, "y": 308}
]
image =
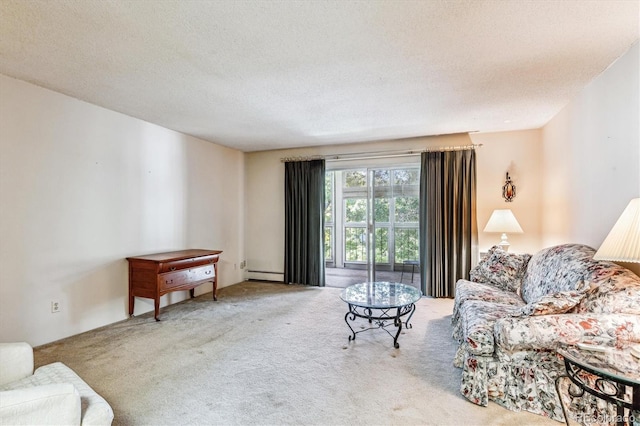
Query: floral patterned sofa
[{"x": 517, "y": 309}]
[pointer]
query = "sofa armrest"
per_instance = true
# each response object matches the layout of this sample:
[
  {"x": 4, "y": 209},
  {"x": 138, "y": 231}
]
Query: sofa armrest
[
  {"x": 16, "y": 361},
  {"x": 550, "y": 331},
  {"x": 47, "y": 404}
]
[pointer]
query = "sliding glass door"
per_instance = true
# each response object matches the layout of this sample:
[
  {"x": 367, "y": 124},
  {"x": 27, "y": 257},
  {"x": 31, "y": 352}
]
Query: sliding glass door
[{"x": 371, "y": 223}]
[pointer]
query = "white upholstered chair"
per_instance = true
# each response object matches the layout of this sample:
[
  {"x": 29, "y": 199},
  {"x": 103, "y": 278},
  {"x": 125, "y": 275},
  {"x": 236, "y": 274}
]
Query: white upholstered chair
[{"x": 53, "y": 394}]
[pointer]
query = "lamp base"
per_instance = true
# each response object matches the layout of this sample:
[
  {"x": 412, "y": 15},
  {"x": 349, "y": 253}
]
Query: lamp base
[{"x": 504, "y": 244}]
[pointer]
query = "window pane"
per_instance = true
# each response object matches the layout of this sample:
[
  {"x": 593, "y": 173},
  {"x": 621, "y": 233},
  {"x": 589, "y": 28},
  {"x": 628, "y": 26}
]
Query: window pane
[
  {"x": 407, "y": 244},
  {"x": 406, "y": 177},
  {"x": 328, "y": 243},
  {"x": 382, "y": 209},
  {"x": 355, "y": 247},
  {"x": 381, "y": 177},
  {"x": 382, "y": 245},
  {"x": 355, "y": 179},
  {"x": 355, "y": 210},
  {"x": 328, "y": 197},
  {"x": 407, "y": 209}
]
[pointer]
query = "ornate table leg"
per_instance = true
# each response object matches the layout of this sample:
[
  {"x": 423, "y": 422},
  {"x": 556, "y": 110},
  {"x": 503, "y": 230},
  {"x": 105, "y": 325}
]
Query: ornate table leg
[
  {"x": 635, "y": 404},
  {"x": 346, "y": 319},
  {"x": 564, "y": 412},
  {"x": 397, "y": 321},
  {"x": 406, "y": 323}
]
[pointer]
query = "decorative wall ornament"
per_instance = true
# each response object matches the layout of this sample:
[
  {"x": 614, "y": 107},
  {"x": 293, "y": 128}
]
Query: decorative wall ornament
[{"x": 508, "y": 190}]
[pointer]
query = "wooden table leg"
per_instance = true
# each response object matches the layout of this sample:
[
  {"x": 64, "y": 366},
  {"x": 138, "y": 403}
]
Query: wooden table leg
[
  {"x": 215, "y": 281},
  {"x": 156, "y": 306}
]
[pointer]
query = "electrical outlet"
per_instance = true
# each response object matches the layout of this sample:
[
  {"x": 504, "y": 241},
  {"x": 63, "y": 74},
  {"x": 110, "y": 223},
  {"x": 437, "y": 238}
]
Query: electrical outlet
[
  {"x": 243, "y": 264},
  {"x": 55, "y": 306}
]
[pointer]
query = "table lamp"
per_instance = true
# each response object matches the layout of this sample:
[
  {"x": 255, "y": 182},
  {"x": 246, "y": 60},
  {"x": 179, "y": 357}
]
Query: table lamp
[
  {"x": 623, "y": 242},
  {"x": 503, "y": 220}
]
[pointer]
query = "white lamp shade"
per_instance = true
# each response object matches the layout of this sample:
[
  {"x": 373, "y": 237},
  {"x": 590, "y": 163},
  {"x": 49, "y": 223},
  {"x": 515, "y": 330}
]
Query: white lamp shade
[
  {"x": 623, "y": 242},
  {"x": 503, "y": 220}
]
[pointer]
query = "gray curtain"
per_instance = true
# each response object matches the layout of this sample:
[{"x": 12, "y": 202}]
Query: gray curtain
[
  {"x": 448, "y": 229},
  {"x": 304, "y": 222}
]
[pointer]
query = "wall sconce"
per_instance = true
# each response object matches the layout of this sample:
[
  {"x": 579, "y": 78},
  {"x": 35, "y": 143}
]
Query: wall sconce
[{"x": 508, "y": 190}]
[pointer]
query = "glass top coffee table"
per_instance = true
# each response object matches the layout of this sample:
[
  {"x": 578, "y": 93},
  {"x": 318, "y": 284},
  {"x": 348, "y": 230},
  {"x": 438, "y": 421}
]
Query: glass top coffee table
[{"x": 381, "y": 303}]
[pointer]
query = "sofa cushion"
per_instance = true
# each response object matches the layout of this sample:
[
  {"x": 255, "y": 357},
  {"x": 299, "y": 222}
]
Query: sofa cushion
[
  {"x": 17, "y": 361},
  {"x": 547, "y": 332},
  {"x": 95, "y": 410},
  {"x": 469, "y": 290},
  {"x": 612, "y": 288},
  {"x": 502, "y": 269},
  {"x": 477, "y": 319},
  {"x": 41, "y": 405},
  {"x": 556, "y": 303},
  {"x": 556, "y": 269}
]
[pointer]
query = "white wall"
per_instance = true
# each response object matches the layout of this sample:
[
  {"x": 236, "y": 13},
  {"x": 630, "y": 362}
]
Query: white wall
[
  {"x": 517, "y": 152},
  {"x": 81, "y": 188},
  {"x": 591, "y": 154}
]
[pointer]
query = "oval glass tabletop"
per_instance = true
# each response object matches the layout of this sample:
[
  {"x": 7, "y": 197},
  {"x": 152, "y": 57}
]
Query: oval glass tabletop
[
  {"x": 617, "y": 364},
  {"x": 380, "y": 295}
]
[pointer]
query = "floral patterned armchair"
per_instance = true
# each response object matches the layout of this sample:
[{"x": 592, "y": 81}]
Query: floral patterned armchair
[{"x": 517, "y": 309}]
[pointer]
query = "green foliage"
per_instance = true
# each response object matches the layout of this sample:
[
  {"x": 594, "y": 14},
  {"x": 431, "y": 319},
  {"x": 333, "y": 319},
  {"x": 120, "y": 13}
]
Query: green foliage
[
  {"x": 407, "y": 244},
  {"x": 355, "y": 179},
  {"x": 328, "y": 197},
  {"x": 328, "y": 243},
  {"x": 381, "y": 209},
  {"x": 381, "y": 177},
  {"x": 355, "y": 244},
  {"x": 382, "y": 245},
  {"x": 355, "y": 210},
  {"x": 406, "y": 177},
  {"x": 355, "y": 241},
  {"x": 407, "y": 209}
]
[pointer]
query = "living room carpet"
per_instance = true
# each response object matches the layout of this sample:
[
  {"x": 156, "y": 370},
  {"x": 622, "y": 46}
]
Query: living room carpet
[{"x": 268, "y": 353}]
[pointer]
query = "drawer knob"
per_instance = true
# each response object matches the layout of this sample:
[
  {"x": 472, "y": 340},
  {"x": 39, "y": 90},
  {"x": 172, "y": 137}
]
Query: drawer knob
[{"x": 173, "y": 268}]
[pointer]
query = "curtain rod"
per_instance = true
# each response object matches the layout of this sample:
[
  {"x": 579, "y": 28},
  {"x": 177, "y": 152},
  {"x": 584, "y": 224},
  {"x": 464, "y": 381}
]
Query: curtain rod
[{"x": 378, "y": 154}]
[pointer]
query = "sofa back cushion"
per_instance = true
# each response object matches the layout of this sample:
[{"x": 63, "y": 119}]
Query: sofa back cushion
[
  {"x": 611, "y": 289},
  {"x": 501, "y": 269},
  {"x": 556, "y": 269}
]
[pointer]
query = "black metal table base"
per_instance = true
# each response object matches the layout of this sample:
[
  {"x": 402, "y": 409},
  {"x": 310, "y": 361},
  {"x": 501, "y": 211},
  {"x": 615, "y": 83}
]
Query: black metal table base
[
  {"x": 385, "y": 317},
  {"x": 607, "y": 388}
]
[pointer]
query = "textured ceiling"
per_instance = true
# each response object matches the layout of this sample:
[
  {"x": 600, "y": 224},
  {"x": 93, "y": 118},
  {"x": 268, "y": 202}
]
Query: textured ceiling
[{"x": 258, "y": 75}]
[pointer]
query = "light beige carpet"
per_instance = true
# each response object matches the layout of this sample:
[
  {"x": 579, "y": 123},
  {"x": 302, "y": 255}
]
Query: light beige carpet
[{"x": 269, "y": 353}]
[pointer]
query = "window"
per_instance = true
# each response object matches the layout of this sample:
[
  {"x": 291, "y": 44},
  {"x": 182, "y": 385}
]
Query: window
[
  {"x": 396, "y": 211},
  {"x": 329, "y": 240}
]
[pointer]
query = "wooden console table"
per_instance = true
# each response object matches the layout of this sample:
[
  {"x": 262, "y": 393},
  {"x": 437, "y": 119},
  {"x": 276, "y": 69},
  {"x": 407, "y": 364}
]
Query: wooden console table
[{"x": 154, "y": 275}]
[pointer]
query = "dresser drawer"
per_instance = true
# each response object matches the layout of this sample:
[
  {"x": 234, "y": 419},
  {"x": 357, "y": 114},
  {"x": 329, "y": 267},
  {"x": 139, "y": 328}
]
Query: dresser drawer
[
  {"x": 176, "y": 265},
  {"x": 201, "y": 273},
  {"x": 184, "y": 277},
  {"x": 173, "y": 279}
]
